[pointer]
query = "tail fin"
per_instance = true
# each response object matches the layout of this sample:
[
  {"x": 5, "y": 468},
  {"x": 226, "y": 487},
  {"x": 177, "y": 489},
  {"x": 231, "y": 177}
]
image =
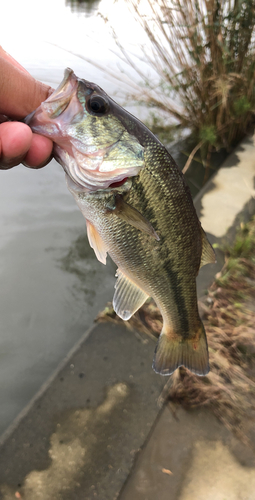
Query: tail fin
[{"x": 171, "y": 353}]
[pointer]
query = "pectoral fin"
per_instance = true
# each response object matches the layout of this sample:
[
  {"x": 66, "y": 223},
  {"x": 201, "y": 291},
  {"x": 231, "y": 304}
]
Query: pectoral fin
[
  {"x": 208, "y": 255},
  {"x": 130, "y": 215},
  {"x": 96, "y": 242},
  {"x": 128, "y": 297}
]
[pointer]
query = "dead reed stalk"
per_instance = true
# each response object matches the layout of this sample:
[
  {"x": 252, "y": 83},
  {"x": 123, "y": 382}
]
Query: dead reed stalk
[{"x": 203, "y": 52}]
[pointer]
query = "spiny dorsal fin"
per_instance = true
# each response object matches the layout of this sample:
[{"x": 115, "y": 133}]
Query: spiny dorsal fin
[
  {"x": 208, "y": 255},
  {"x": 128, "y": 297},
  {"x": 130, "y": 215},
  {"x": 96, "y": 242}
]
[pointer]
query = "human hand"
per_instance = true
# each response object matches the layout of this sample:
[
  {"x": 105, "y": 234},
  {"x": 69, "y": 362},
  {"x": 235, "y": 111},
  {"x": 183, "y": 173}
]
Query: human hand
[{"x": 20, "y": 94}]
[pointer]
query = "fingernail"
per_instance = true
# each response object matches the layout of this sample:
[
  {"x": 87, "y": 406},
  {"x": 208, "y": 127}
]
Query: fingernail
[
  {"x": 7, "y": 163},
  {"x": 41, "y": 165}
]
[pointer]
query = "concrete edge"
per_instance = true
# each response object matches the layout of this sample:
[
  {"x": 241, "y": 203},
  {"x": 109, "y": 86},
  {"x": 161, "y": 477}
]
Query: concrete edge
[
  {"x": 12, "y": 427},
  {"x": 23, "y": 413}
]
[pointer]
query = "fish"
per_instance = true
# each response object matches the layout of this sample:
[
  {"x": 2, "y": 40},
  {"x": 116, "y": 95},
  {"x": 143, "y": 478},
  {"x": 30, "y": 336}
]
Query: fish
[{"x": 138, "y": 210}]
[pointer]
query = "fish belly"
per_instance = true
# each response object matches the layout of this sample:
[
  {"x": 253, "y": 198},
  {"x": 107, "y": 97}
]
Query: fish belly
[{"x": 165, "y": 270}]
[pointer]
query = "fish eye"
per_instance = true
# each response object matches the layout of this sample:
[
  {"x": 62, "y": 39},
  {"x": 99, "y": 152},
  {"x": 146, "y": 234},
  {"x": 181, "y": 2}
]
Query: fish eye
[{"x": 97, "y": 105}]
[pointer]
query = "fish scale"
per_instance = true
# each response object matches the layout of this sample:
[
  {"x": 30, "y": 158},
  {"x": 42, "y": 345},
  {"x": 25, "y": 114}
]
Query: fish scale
[{"x": 138, "y": 210}]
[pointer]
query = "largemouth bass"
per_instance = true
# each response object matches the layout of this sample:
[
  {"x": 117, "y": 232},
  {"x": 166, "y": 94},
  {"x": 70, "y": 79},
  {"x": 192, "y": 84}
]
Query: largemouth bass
[{"x": 138, "y": 209}]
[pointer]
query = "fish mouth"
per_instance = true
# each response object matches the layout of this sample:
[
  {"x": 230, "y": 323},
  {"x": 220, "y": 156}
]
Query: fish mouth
[
  {"x": 44, "y": 119},
  {"x": 92, "y": 165},
  {"x": 61, "y": 97}
]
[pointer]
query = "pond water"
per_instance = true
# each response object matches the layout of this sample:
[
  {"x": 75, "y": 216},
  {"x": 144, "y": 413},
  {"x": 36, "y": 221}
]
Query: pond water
[{"x": 52, "y": 285}]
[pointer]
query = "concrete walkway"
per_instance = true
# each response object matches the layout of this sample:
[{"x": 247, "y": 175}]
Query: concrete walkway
[
  {"x": 191, "y": 456},
  {"x": 95, "y": 430}
]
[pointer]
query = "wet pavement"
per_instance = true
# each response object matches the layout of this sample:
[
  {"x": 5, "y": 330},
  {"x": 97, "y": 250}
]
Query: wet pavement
[
  {"x": 96, "y": 430},
  {"x": 80, "y": 436},
  {"x": 52, "y": 286}
]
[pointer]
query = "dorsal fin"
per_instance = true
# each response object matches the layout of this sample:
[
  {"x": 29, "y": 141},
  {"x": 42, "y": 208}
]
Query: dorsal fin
[
  {"x": 128, "y": 297},
  {"x": 96, "y": 242},
  {"x": 208, "y": 254}
]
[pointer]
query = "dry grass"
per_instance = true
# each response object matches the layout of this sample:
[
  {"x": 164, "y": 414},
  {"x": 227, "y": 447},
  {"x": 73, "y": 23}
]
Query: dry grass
[
  {"x": 228, "y": 312},
  {"x": 203, "y": 52}
]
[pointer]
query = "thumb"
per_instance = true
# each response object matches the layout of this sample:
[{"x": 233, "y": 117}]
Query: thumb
[{"x": 20, "y": 93}]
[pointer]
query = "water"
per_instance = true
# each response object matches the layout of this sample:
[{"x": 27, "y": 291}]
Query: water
[{"x": 52, "y": 285}]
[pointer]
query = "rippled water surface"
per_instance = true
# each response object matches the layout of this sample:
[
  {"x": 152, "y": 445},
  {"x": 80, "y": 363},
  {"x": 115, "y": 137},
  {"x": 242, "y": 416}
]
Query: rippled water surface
[{"x": 52, "y": 285}]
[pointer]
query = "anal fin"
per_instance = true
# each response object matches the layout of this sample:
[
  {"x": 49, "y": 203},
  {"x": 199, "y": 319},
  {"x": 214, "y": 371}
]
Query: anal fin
[
  {"x": 96, "y": 242},
  {"x": 128, "y": 297}
]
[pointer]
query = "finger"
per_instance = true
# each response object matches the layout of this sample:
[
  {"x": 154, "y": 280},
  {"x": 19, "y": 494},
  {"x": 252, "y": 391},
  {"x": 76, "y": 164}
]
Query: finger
[
  {"x": 20, "y": 93},
  {"x": 39, "y": 153},
  {"x": 15, "y": 141}
]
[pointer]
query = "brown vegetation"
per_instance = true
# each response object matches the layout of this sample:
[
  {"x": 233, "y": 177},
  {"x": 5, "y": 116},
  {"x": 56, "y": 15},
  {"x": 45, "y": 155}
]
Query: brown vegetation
[
  {"x": 203, "y": 52},
  {"x": 228, "y": 312}
]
